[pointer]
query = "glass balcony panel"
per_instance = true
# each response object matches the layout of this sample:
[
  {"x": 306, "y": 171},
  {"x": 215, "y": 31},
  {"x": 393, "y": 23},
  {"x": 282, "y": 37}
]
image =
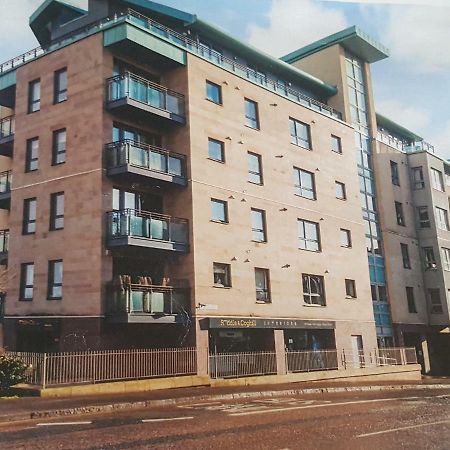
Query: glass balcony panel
[
  {"x": 175, "y": 104},
  {"x": 157, "y": 303},
  {"x": 179, "y": 232},
  {"x": 156, "y": 98},
  {"x": 138, "y": 156},
  {"x": 159, "y": 229},
  {"x": 175, "y": 166},
  {"x": 138, "y": 226},
  {"x": 137, "y": 301},
  {"x": 158, "y": 161}
]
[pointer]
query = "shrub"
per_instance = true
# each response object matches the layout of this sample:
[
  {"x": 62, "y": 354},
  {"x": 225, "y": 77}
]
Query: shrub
[{"x": 12, "y": 371}]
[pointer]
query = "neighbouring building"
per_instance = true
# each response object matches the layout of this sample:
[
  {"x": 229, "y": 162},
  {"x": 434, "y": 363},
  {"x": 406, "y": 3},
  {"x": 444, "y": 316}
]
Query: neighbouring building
[{"x": 163, "y": 184}]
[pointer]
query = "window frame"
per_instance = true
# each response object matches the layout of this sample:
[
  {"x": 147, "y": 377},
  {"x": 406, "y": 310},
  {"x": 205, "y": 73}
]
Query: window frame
[
  {"x": 395, "y": 175},
  {"x": 54, "y": 215},
  {"x": 404, "y": 250},
  {"x": 435, "y": 307},
  {"x": 262, "y": 230},
  {"x": 308, "y": 293},
  {"x": 411, "y": 300},
  {"x": 350, "y": 288},
  {"x": 299, "y": 189},
  {"x": 265, "y": 290},
  {"x": 295, "y": 138},
  {"x": 222, "y": 150},
  {"x": 445, "y": 258},
  {"x": 421, "y": 222},
  {"x": 437, "y": 180},
  {"x": 56, "y": 151},
  {"x": 227, "y": 275},
  {"x": 29, "y": 159},
  {"x": 252, "y": 173},
  {"x": 399, "y": 214},
  {"x": 429, "y": 263},
  {"x": 224, "y": 204},
  {"x": 348, "y": 235},
  {"x": 302, "y": 223},
  {"x": 23, "y": 282},
  {"x": 51, "y": 284},
  {"x": 32, "y": 101},
  {"x": 219, "y": 91},
  {"x": 59, "y": 94},
  {"x": 417, "y": 184},
  {"x": 252, "y": 122},
  {"x": 444, "y": 217},
  {"x": 344, "y": 190},
  {"x": 337, "y": 139},
  {"x": 27, "y": 220}
]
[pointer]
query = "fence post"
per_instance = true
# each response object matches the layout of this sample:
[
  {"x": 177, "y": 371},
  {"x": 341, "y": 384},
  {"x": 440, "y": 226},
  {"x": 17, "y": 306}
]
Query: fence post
[
  {"x": 344, "y": 361},
  {"x": 280, "y": 352},
  {"x": 44, "y": 371},
  {"x": 402, "y": 356}
]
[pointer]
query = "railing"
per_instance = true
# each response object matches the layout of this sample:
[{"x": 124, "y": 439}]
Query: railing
[
  {"x": 144, "y": 91},
  {"x": 4, "y": 241},
  {"x": 22, "y": 59},
  {"x": 233, "y": 365},
  {"x": 145, "y": 156},
  {"x": 149, "y": 299},
  {"x": 5, "y": 182},
  {"x": 308, "y": 361},
  {"x": 52, "y": 369},
  {"x": 402, "y": 145},
  {"x": 7, "y": 126},
  {"x": 148, "y": 225},
  {"x": 395, "y": 356}
]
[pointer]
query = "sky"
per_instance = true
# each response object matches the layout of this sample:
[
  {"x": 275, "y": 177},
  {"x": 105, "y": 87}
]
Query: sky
[{"x": 412, "y": 86}]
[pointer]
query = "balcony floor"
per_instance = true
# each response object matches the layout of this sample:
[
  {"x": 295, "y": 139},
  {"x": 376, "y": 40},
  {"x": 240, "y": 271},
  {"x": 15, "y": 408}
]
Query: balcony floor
[
  {"x": 133, "y": 241},
  {"x": 137, "y": 317}
]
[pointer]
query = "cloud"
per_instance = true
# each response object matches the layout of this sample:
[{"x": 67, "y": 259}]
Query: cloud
[
  {"x": 441, "y": 141},
  {"x": 295, "y": 23},
  {"x": 396, "y": 2}
]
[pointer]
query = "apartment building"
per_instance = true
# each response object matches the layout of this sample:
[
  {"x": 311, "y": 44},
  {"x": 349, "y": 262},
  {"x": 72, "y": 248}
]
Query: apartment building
[{"x": 173, "y": 186}]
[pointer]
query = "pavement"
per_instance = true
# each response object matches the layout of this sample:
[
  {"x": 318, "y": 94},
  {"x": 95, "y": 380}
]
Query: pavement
[{"x": 26, "y": 408}]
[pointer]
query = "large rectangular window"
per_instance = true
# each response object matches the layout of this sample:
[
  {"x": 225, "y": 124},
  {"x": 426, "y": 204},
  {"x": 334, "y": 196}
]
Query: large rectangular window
[
  {"x": 437, "y": 182},
  {"x": 395, "y": 177},
  {"x": 34, "y": 96},
  {"x": 251, "y": 114},
  {"x": 340, "y": 190},
  {"x": 308, "y": 235},
  {"x": 435, "y": 301},
  {"x": 222, "y": 275},
  {"x": 346, "y": 238},
  {"x": 313, "y": 290},
  {"x": 60, "y": 86},
  {"x": 255, "y": 174},
  {"x": 29, "y": 216},
  {"x": 216, "y": 150},
  {"x": 417, "y": 179},
  {"x": 57, "y": 211},
  {"x": 304, "y": 184},
  {"x": 262, "y": 285},
  {"x": 423, "y": 217},
  {"x": 300, "y": 133},
  {"x": 55, "y": 279},
  {"x": 405, "y": 256},
  {"x": 219, "y": 211},
  {"x": 59, "y": 147},
  {"x": 258, "y": 225},
  {"x": 350, "y": 288},
  {"x": 399, "y": 213},
  {"x": 446, "y": 258},
  {"x": 411, "y": 301},
  {"x": 32, "y": 155},
  {"x": 26, "y": 281},
  {"x": 429, "y": 260},
  {"x": 213, "y": 92},
  {"x": 442, "y": 218},
  {"x": 336, "y": 145}
]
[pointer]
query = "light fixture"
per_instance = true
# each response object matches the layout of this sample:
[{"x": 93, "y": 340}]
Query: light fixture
[
  {"x": 326, "y": 271},
  {"x": 241, "y": 142},
  {"x": 283, "y": 209},
  {"x": 234, "y": 258},
  {"x": 229, "y": 138},
  {"x": 286, "y": 266},
  {"x": 279, "y": 156},
  {"x": 274, "y": 104},
  {"x": 247, "y": 260},
  {"x": 231, "y": 197},
  {"x": 225, "y": 82},
  {"x": 322, "y": 218},
  {"x": 237, "y": 88},
  {"x": 243, "y": 200}
]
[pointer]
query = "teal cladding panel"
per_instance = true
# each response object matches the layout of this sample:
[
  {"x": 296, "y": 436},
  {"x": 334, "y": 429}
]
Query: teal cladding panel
[{"x": 7, "y": 80}]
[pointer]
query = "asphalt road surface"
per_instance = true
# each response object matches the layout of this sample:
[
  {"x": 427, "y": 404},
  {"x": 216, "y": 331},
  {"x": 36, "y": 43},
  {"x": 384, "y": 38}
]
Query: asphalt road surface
[{"x": 383, "y": 420}]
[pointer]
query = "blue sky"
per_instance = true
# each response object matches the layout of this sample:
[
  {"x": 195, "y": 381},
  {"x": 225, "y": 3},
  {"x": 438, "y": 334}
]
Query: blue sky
[{"x": 412, "y": 86}]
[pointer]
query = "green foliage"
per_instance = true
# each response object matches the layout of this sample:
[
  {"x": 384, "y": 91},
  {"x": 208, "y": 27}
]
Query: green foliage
[{"x": 12, "y": 371}]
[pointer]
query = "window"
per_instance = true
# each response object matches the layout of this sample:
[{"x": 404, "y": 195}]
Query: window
[
  {"x": 60, "y": 86},
  {"x": 300, "y": 134},
  {"x": 262, "y": 285},
  {"x": 55, "y": 279},
  {"x": 437, "y": 182},
  {"x": 350, "y": 289},
  {"x": 405, "y": 256},
  {"x": 435, "y": 301},
  {"x": 446, "y": 258},
  {"x": 219, "y": 211},
  {"x": 417, "y": 178},
  {"x": 304, "y": 184},
  {"x": 251, "y": 114},
  {"x": 313, "y": 290},
  {"x": 394, "y": 174},
  {"x": 258, "y": 225},
  {"x": 378, "y": 293},
  {"x": 214, "y": 92},
  {"x": 341, "y": 194},
  {"x": 254, "y": 168},
  {"x": 26, "y": 281},
  {"x": 336, "y": 145},
  {"x": 29, "y": 216},
  {"x": 32, "y": 155},
  {"x": 216, "y": 150},
  {"x": 57, "y": 211},
  {"x": 399, "y": 213},
  {"x": 346, "y": 238},
  {"x": 423, "y": 217},
  {"x": 222, "y": 277},
  {"x": 308, "y": 235},
  {"x": 428, "y": 258},
  {"x": 34, "y": 96},
  {"x": 59, "y": 147},
  {"x": 442, "y": 218},
  {"x": 411, "y": 301}
]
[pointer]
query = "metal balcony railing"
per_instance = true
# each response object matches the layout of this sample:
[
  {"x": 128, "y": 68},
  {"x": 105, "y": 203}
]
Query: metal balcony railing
[
  {"x": 402, "y": 145},
  {"x": 147, "y": 225},
  {"x": 145, "y": 156},
  {"x": 4, "y": 241},
  {"x": 146, "y": 92},
  {"x": 7, "y": 127},
  {"x": 5, "y": 182}
]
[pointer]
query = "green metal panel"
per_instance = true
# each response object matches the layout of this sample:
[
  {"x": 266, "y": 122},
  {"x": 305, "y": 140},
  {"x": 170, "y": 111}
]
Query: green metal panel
[
  {"x": 7, "y": 80},
  {"x": 128, "y": 32}
]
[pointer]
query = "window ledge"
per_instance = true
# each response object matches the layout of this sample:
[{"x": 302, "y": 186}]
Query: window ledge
[
  {"x": 212, "y": 101},
  {"x": 311, "y": 251},
  {"x": 257, "y": 184},
  {"x": 216, "y": 160},
  {"x": 259, "y": 242},
  {"x": 219, "y": 222},
  {"x": 221, "y": 287},
  {"x": 252, "y": 128},
  {"x": 307, "y": 305},
  {"x": 262, "y": 303},
  {"x": 301, "y": 146},
  {"x": 306, "y": 198},
  {"x": 350, "y": 297},
  {"x": 341, "y": 199}
]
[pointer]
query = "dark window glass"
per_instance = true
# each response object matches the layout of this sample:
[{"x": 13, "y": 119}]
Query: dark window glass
[
  {"x": 308, "y": 235},
  {"x": 350, "y": 288},
  {"x": 214, "y": 92},
  {"x": 304, "y": 184},
  {"x": 340, "y": 190},
  {"x": 222, "y": 275},
  {"x": 29, "y": 216},
  {"x": 262, "y": 285},
  {"x": 258, "y": 225},
  {"x": 405, "y": 256},
  {"x": 59, "y": 147},
  {"x": 399, "y": 213},
  {"x": 429, "y": 259},
  {"x": 26, "y": 281},
  {"x": 55, "y": 279},
  {"x": 34, "y": 96},
  {"x": 411, "y": 301},
  {"x": 216, "y": 150},
  {"x": 60, "y": 87},
  {"x": 300, "y": 133},
  {"x": 57, "y": 211},
  {"x": 313, "y": 290},
  {"x": 254, "y": 168},
  {"x": 219, "y": 211},
  {"x": 32, "y": 156},
  {"x": 395, "y": 178},
  {"x": 251, "y": 114},
  {"x": 336, "y": 145}
]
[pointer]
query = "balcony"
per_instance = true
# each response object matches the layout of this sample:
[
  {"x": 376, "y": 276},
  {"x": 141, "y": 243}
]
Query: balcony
[
  {"x": 132, "y": 228},
  {"x": 4, "y": 244},
  {"x": 134, "y": 95},
  {"x": 7, "y": 136},
  {"x": 5, "y": 189},
  {"x": 137, "y": 303},
  {"x": 132, "y": 160}
]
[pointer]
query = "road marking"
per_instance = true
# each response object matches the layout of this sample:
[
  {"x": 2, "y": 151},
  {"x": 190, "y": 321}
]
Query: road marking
[
  {"x": 58, "y": 424},
  {"x": 393, "y": 430},
  {"x": 318, "y": 406},
  {"x": 166, "y": 419},
  {"x": 193, "y": 405}
]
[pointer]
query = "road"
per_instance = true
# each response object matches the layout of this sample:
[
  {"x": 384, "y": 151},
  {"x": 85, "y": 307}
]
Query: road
[{"x": 382, "y": 420}]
